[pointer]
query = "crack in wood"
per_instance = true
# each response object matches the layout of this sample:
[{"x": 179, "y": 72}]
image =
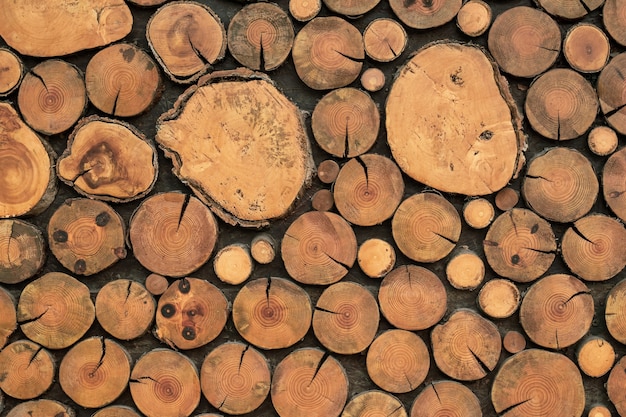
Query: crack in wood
[{"x": 323, "y": 360}]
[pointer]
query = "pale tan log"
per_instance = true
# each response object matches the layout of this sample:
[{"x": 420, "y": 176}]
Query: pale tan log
[
  {"x": 263, "y": 248},
  {"x": 443, "y": 398},
  {"x": 478, "y": 213},
  {"x": 615, "y": 312},
  {"x": 22, "y": 251},
  {"x": 499, "y": 298},
  {"x": 304, "y": 10},
  {"x": 465, "y": 270},
  {"x": 615, "y": 386},
  {"x": 602, "y": 140},
  {"x": 11, "y": 71},
  {"x": 384, "y": 39},
  {"x": 376, "y": 257},
  {"x": 8, "y": 317},
  {"x": 233, "y": 263},
  {"x": 351, "y": 8},
  {"x": 425, "y": 14},
  {"x": 474, "y": 18},
  {"x": 595, "y": 356},
  {"x": 586, "y": 48},
  {"x": 599, "y": 411},
  {"x": 373, "y": 79},
  {"x": 41, "y": 408}
]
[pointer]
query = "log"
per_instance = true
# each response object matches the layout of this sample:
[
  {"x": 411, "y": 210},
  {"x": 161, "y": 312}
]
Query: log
[
  {"x": 304, "y": 10},
  {"x": 514, "y": 342},
  {"x": 95, "y": 372},
  {"x": 412, "y": 298},
  {"x": 615, "y": 312},
  {"x": 595, "y": 356},
  {"x": 351, "y": 8},
  {"x": 187, "y": 38},
  {"x": 260, "y": 36},
  {"x": 64, "y": 27},
  {"x": 614, "y": 183},
  {"x": 599, "y": 411},
  {"x": 345, "y": 122},
  {"x": 452, "y": 147},
  {"x": 474, "y": 18},
  {"x": 108, "y": 160},
  {"x": 586, "y": 48},
  {"x": 465, "y": 270},
  {"x": 398, "y": 361},
  {"x": 499, "y": 298},
  {"x": 11, "y": 71},
  {"x": 557, "y": 311},
  {"x": 478, "y": 213},
  {"x": 592, "y": 248},
  {"x": 466, "y": 347},
  {"x": 233, "y": 263},
  {"x": 165, "y": 383},
  {"x": 524, "y": 41},
  {"x": 561, "y": 104},
  {"x": 191, "y": 313},
  {"x": 373, "y": 79},
  {"x": 116, "y": 411},
  {"x": 328, "y": 53},
  {"x": 615, "y": 386},
  {"x": 248, "y": 160},
  {"x": 446, "y": 398},
  {"x": 55, "y": 310},
  {"x": 374, "y": 402},
  {"x": 507, "y": 198},
  {"x": 22, "y": 251},
  {"x": 8, "y": 317},
  {"x": 122, "y": 80},
  {"x": 125, "y": 309},
  {"x": 376, "y": 257},
  {"x": 384, "y": 39},
  {"x": 235, "y": 378},
  {"x": 425, "y": 14},
  {"x": 346, "y": 318},
  {"x": 520, "y": 245},
  {"x": 368, "y": 189},
  {"x": 323, "y": 200},
  {"x": 309, "y": 382},
  {"x": 610, "y": 88},
  {"x": 318, "y": 248},
  {"x": 602, "y": 140},
  {"x": 327, "y": 171},
  {"x": 569, "y": 10},
  {"x": 560, "y": 185},
  {"x": 172, "y": 234},
  {"x": 156, "y": 284},
  {"x": 41, "y": 408},
  {"x": 272, "y": 313},
  {"x": 614, "y": 19},
  {"x": 263, "y": 248},
  {"x": 147, "y": 3},
  {"x": 426, "y": 227},
  {"x": 86, "y": 236},
  {"x": 536, "y": 382},
  {"x": 52, "y": 96},
  {"x": 27, "y": 370},
  {"x": 28, "y": 182}
]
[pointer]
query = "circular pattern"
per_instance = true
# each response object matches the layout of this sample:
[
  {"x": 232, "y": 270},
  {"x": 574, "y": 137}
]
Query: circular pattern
[
  {"x": 478, "y": 213},
  {"x": 8, "y": 316},
  {"x": 27, "y": 370},
  {"x": 22, "y": 251},
  {"x": 611, "y": 88},
  {"x": 425, "y": 14},
  {"x": 446, "y": 399},
  {"x": 385, "y": 39},
  {"x": 41, "y": 407},
  {"x": 615, "y": 312},
  {"x": 614, "y": 183},
  {"x": 596, "y": 357},
  {"x": 373, "y": 79},
  {"x": 474, "y": 18},
  {"x": 376, "y": 257},
  {"x": 586, "y": 48},
  {"x": 374, "y": 403},
  {"x": 499, "y": 298},
  {"x": 602, "y": 140}
]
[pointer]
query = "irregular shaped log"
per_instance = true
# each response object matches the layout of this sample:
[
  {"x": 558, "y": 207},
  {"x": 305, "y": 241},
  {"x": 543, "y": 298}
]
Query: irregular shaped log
[
  {"x": 191, "y": 313},
  {"x": 41, "y": 408},
  {"x": 374, "y": 402},
  {"x": 602, "y": 140},
  {"x": 260, "y": 36},
  {"x": 611, "y": 88},
  {"x": 186, "y": 38},
  {"x": 569, "y": 10},
  {"x": 507, "y": 198},
  {"x": 445, "y": 144},
  {"x": 172, "y": 234},
  {"x": 304, "y": 10},
  {"x": 446, "y": 398},
  {"x": 125, "y": 309},
  {"x": 373, "y": 79},
  {"x": 524, "y": 41},
  {"x": 272, "y": 313},
  {"x": 346, "y": 317},
  {"x": 8, "y": 317},
  {"x": 22, "y": 251},
  {"x": 309, "y": 382},
  {"x": 466, "y": 347},
  {"x": 520, "y": 245},
  {"x": 11, "y": 71},
  {"x": 616, "y": 384},
  {"x": 426, "y": 227},
  {"x": 514, "y": 342},
  {"x": 595, "y": 356},
  {"x": 165, "y": 383},
  {"x": 412, "y": 298},
  {"x": 108, "y": 160},
  {"x": 537, "y": 382},
  {"x": 55, "y": 310},
  {"x": 376, "y": 258},
  {"x": 561, "y": 104},
  {"x": 328, "y": 53},
  {"x": 319, "y": 248},
  {"x": 615, "y": 312},
  {"x": 255, "y": 157},
  {"x": 465, "y": 270},
  {"x": 398, "y": 361},
  {"x": 560, "y": 185},
  {"x": 614, "y": 19},
  {"x": 63, "y": 27},
  {"x": 235, "y": 378},
  {"x": 27, "y": 370},
  {"x": 156, "y": 284},
  {"x": 233, "y": 264},
  {"x": 28, "y": 182},
  {"x": 384, "y": 39},
  {"x": 86, "y": 236},
  {"x": 95, "y": 372},
  {"x": 499, "y": 298},
  {"x": 263, "y": 248},
  {"x": 592, "y": 248},
  {"x": 478, "y": 213},
  {"x": 52, "y": 96},
  {"x": 122, "y": 80},
  {"x": 345, "y": 122},
  {"x": 557, "y": 311},
  {"x": 116, "y": 411},
  {"x": 474, "y": 18},
  {"x": 586, "y": 48},
  {"x": 425, "y": 14}
]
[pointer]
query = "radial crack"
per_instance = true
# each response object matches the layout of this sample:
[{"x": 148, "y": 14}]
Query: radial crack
[
  {"x": 32, "y": 358},
  {"x": 21, "y": 323},
  {"x": 482, "y": 364},
  {"x": 183, "y": 208},
  {"x": 615, "y": 110},
  {"x": 351, "y": 58},
  {"x": 243, "y": 353},
  {"x": 511, "y": 408},
  {"x": 319, "y": 366},
  {"x": 581, "y": 235},
  {"x": 40, "y": 78},
  {"x": 445, "y": 238},
  {"x": 364, "y": 165}
]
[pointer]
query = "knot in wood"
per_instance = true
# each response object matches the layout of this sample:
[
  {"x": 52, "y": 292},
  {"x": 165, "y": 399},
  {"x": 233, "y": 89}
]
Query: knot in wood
[
  {"x": 60, "y": 236},
  {"x": 168, "y": 310}
]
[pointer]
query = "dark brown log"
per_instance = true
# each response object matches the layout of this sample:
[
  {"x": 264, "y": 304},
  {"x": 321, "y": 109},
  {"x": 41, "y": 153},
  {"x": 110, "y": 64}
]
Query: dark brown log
[
  {"x": 260, "y": 36},
  {"x": 478, "y": 213},
  {"x": 263, "y": 248},
  {"x": 63, "y": 27},
  {"x": 445, "y": 82},
  {"x": 474, "y": 18},
  {"x": 191, "y": 313},
  {"x": 614, "y": 19},
  {"x": 376, "y": 257},
  {"x": 384, "y": 39},
  {"x": 27, "y": 370},
  {"x": 616, "y": 386},
  {"x": 446, "y": 398},
  {"x": 602, "y": 140},
  {"x": 41, "y": 408},
  {"x": 513, "y": 341},
  {"x": 499, "y": 298},
  {"x": 323, "y": 200},
  {"x": 8, "y": 318},
  {"x": 465, "y": 270},
  {"x": 586, "y": 48},
  {"x": 595, "y": 356},
  {"x": 615, "y": 312},
  {"x": 327, "y": 171},
  {"x": 22, "y": 251},
  {"x": 374, "y": 402},
  {"x": 373, "y": 79},
  {"x": 524, "y": 41},
  {"x": 187, "y": 38},
  {"x": 425, "y": 14},
  {"x": 108, "y": 160},
  {"x": 233, "y": 263},
  {"x": 304, "y": 10},
  {"x": 11, "y": 71},
  {"x": 122, "y": 80},
  {"x": 570, "y": 9},
  {"x": 351, "y": 8},
  {"x": 611, "y": 88},
  {"x": 234, "y": 160}
]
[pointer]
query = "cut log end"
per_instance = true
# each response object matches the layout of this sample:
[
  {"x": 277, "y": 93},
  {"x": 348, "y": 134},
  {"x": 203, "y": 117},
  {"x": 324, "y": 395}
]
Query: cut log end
[
  {"x": 233, "y": 264},
  {"x": 595, "y": 356},
  {"x": 602, "y": 140},
  {"x": 11, "y": 71},
  {"x": 474, "y": 18},
  {"x": 373, "y": 79},
  {"x": 465, "y": 270},
  {"x": 478, "y": 213},
  {"x": 376, "y": 258},
  {"x": 263, "y": 248}
]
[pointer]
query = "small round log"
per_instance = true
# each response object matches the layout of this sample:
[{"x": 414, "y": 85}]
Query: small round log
[
  {"x": 602, "y": 140},
  {"x": 615, "y": 386},
  {"x": 465, "y": 270},
  {"x": 599, "y": 411},
  {"x": 446, "y": 398},
  {"x": 327, "y": 171},
  {"x": 384, "y": 39},
  {"x": 499, "y": 298},
  {"x": 376, "y": 258},
  {"x": 323, "y": 200},
  {"x": 425, "y": 14},
  {"x": 586, "y": 48},
  {"x": 615, "y": 312},
  {"x": 373, "y": 79},
  {"x": 116, "y": 411},
  {"x": 156, "y": 284},
  {"x": 507, "y": 198},
  {"x": 12, "y": 71},
  {"x": 28, "y": 370},
  {"x": 478, "y": 213},
  {"x": 398, "y": 361},
  {"x": 595, "y": 356},
  {"x": 514, "y": 342},
  {"x": 474, "y": 18},
  {"x": 304, "y": 10},
  {"x": 233, "y": 264},
  {"x": 8, "y": 316},
  {"x": 611, "y": 88},
  {"x": 22, "y": 251},
  {"x": 41, "y": 408},
  {"x": 263, "y": 248}
]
